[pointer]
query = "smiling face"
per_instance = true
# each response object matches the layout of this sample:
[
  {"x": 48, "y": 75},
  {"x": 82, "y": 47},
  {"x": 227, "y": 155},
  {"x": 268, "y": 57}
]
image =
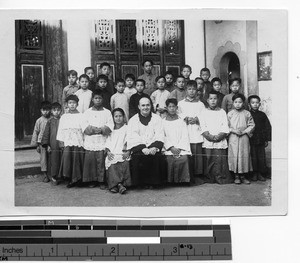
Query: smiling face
[
  {"x": 161, "y": 83},
  {"x": 84, "y": 83},
  {"x": 144, "y": 106},
  {"x": 238, "y": 103}
]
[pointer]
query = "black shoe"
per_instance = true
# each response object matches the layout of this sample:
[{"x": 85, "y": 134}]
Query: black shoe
[
  {"x": 54, "y": 181},
  {"x": 261, "y": 178},
  {"x": 122, "y": 189},
  {"x": 237, "y": 180},
  {"x": 70, "y": 185},
  {"x": 244, "y": 180}
]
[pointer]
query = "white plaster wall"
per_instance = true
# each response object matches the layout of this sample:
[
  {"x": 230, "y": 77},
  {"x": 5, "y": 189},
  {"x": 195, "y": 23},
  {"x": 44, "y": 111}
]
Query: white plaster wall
[
  {"x": 79, "y": 33},
  {"x": 194, "y": 45}
]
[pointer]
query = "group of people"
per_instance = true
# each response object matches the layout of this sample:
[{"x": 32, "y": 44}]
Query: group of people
[{"x": 150, "y": 131}]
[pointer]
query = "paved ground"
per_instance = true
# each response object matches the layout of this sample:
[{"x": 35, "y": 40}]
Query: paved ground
[{"x": 31, "y": 191}]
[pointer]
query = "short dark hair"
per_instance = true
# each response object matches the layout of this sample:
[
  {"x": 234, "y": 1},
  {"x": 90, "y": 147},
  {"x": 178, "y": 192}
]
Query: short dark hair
[
  {"x": 55, "y": 105},
  {"x": 253, "y": 97},
  {"x": 72, "y": 72},
  {"x": 119, "y": 81},
  {"x": 213, "y": 92},
  {"x": 97, "y": 92},
  {"x": 130, "y": 76},
  {"x": 171, "y": 100},
  {"x": 119, "y": 110},
  {"x": 230, "y": 81},
  {"x": 88, "y": 68},
  {"x": 148, "y": 60},
  {"x": 160, "y": 77},
  {"x": 192, "y": 83},
  {"x": 237, "y": 96},
  {"x": 84, "y": 76},
  {"x": 45, "y": 105},
  {"x": 102, "y": 76},
  {"x": 141, "y": 80},
  {"x": 105, "y": 64},
  {"x": 179, "y": 76},
  {"x": 205, "y": 69},
  {"x": 72, "y": 97},
  {"x": 169, "y": 73},
  {"x": 186, "y": 66},
  {"x": 199, "y": 78},
  {"x": 216, "y": 79}
]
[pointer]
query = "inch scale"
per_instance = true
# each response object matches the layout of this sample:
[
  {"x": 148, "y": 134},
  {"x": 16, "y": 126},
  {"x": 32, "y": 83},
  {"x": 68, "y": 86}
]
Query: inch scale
[{"x": 111, "y": 240}]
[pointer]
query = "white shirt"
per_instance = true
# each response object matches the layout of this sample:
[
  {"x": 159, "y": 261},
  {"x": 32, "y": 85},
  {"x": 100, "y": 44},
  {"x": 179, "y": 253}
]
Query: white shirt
[{"x": 85, "y": 97}]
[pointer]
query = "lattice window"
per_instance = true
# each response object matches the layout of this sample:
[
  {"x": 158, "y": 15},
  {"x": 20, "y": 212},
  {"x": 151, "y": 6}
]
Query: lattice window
[
  {"x": 31, "y": 35},
  {"x": 150, "y": 31},
  {"x": 128, "y": 41},
  {"x": 104, "y": 35},
  {"x": 172, "y": 36}
]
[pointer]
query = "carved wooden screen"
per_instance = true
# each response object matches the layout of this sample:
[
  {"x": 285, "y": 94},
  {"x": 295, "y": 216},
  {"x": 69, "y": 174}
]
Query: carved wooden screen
[{"x": 125, "y": 44}]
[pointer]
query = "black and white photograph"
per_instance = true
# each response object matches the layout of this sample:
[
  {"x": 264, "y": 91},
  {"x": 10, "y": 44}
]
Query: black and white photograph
[{"x": 115, "y": 110}]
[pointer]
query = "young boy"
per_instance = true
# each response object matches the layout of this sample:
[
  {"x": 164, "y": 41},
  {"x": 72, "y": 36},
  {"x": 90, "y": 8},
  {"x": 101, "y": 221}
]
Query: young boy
[
  {"x": 102, "y": 81},
  {"x": 71, "y": 88},
  {"x": 105, "y": 69},
  {"x": 205, "y": 75},
  {"x": 186, "y": 71},
  {"x": 259, "y": 140},
  {"x": 91, "y": 73},
  {"x": 179, "y": 93},
  {"x": 214, "y": 128},
  {"x": 120, "y": 99},
  {"x": 135, "y": 98},
  {"x": 190, "y": 110},
  {"x": 200, "y": 87},
  {"x": 148, "y": 76},
  {"x": 51, "y": 144},
  {"x": 84, "y": 94},
  {"x": 37, "y": 135},
  {"x": 97, "y": 125},
  {"x": 160, "y": 96},
  {"x": 217, "y": 85},
  {"x": 176, "y": 145},
  {"x": 169, "y": 81},
  {"x": 129, "y": 85}
]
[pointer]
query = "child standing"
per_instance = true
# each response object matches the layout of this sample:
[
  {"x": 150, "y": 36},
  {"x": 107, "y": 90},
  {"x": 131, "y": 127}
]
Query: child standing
[
  {"x": 186, "y": 71},
  {"x": 260, "y": 138},
  {"x": 148, "y": 76},
  {"x": 91, "y": 73},
  {"x": 160, "y": 96},
  {"x": 179, "y": 92},
  {"x": 97, "y": 125},
  {"x": 234, "y": 86},
  {"x": 176, "y": 145},
  {"x": 217, "y": 85},
  {"x": 129, "y": 85},
  {"x": 241, "y": 126},
  {"x": 214, "y": 127},
  {"x": 84, "y": 94},
  {"x": 169, "y": 81},
  {"x": 120, "y": 99},
  {"x": 190, "y": 110},
  {"x": 37, "y": 135},
  {"x": 105, "y": 70},
  {"x": 102, "y": 81},
  {"x": 71, "y": 88},
  {"x": 135, "y": 98},
  {"x": 205, "y": 75},
  {"x": 70, "y": 135},
  {"x": 51, "y": 144},
  {"x": 117, "y": 160}
]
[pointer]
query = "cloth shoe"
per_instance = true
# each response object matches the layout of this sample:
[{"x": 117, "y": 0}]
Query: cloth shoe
[
  {"x": 244, "y": 180},
  {"x": 114, "y": 190},
  {"x": 122, "y": 189},
  {"x": 237, "y": 179}
]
